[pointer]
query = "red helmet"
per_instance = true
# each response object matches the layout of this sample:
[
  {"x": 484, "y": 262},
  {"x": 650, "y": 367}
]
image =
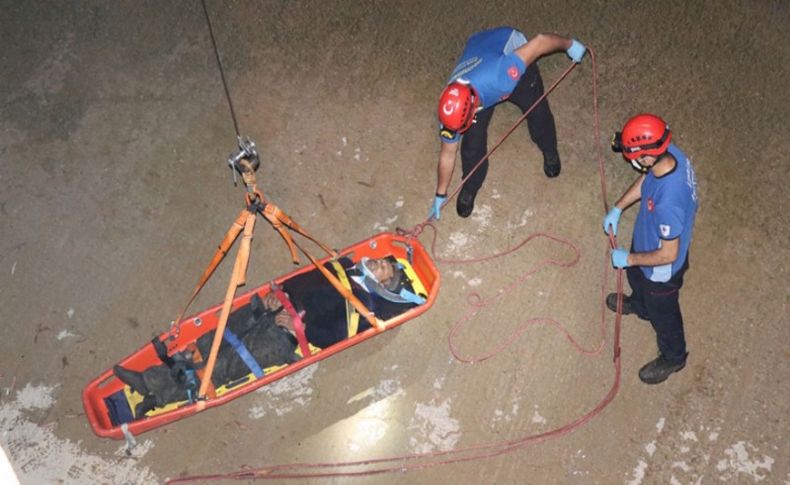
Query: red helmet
[
  {"x": 457, "y": 106},
  {"x": 644, "y": 134}
]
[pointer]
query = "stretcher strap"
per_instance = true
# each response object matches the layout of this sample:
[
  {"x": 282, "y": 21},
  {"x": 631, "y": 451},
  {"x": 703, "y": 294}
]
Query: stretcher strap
[
  {"x": 297, "y": 321},
  {"x": 280, "y": 220},
  {"x": 219, "y": 255},
  {"x": 200, "y": 367},
  {"x": 352, "y": 316},
  {"x": 239, "y": 272},
  {"x": 244, "y": 354},
  {"x": 347, "y": 294}
]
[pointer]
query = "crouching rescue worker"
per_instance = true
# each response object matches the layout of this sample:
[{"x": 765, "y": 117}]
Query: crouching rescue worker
[
  {"x": 496, "y": 65},
  {"x": 658, "y": 259}
]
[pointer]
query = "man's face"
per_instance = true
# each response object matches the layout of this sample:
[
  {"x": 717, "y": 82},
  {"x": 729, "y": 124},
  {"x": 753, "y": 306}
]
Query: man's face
[
  {"x": 643, "y": 163},
  {"x": 646, "y": 160},
  {"x": 381, "y": 269}
]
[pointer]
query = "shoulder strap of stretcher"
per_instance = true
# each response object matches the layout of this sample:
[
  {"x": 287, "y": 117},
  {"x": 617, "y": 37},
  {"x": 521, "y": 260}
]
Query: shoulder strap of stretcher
[
  {"x": 301, "y": 338},
  {"x": 352, "y": 316}
]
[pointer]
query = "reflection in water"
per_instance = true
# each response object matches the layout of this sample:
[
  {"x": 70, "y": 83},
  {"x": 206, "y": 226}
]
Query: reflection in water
[
  {"x": 363, "y": 435},
  {"x": 368, "y": 426}
]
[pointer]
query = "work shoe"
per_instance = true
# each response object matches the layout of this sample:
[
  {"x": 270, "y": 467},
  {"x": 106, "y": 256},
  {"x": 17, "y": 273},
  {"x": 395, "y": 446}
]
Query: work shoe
[
  {"x": 628, "y": 308},
  {"x": 551, "y": 164},
  {"x": 658, "y": 370},
  {"x": 131, "y": 378},
  {"x": 465, "y": 203}
]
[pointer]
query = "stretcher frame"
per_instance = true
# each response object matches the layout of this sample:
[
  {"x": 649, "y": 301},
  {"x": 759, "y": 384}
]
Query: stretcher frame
[{"x": 192, "y": 327}]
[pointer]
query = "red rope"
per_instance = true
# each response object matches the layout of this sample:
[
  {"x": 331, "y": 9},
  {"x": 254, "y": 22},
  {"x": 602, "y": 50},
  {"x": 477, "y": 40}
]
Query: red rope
[{"x": 477, "y": 303}]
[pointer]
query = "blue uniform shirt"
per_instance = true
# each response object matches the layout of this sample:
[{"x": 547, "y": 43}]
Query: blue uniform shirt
[
  {"x": 667, "y": 211},
  {"x": 490, "y": 66}
]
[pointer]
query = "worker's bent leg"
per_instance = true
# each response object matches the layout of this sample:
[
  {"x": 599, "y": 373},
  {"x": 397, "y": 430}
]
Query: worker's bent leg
[
  {"x": 540, "y": 121},
  {"x": 474, "y": 145}
]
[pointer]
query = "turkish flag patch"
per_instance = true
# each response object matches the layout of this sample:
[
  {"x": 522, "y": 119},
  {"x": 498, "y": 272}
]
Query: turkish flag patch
[
  {"x": 650, "y": 205},
  {"x": 513, "y": 72}
]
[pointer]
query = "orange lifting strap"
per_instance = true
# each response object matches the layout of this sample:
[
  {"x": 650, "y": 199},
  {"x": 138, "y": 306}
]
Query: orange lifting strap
[{"x": 256, "y": 203}]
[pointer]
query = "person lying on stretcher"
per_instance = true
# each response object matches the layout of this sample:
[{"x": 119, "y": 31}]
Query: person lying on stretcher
[{"x": 261, "y": 334}]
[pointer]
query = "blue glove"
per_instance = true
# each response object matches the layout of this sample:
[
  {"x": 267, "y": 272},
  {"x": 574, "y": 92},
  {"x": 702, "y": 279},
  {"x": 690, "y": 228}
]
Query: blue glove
[
  {"x": 620, "y": 258},
  {"x": 436, "y": 208},
  {"x": 611, "y": 219},
  {"x": 576, "y": 51}
]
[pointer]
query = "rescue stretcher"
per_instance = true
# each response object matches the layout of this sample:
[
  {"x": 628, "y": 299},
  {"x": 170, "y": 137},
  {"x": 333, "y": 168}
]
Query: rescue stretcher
[{"x": 106, "y": 392}]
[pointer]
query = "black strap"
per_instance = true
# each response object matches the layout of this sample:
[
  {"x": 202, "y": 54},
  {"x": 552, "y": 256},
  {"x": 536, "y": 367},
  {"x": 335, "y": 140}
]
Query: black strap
[{"x": 161, "y": 352}]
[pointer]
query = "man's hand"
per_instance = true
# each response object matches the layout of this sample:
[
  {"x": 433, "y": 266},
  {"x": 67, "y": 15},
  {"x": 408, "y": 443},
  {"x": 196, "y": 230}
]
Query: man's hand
[
  {"x": 576, "y": 51},
  {"x": 620, "y": 258},
  {"x": 611, "y": 219},
  {"x": 284, "y": 319},
  {"x": 436, "y": 208},
  {"x": 270, "y": 302}
]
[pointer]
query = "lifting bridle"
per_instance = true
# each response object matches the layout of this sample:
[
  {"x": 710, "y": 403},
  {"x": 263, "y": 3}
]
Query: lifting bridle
[{"x": 244, "y": 225}]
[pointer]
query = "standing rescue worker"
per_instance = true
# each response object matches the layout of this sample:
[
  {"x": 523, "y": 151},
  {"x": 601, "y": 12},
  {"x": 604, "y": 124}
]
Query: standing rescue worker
[
  {"x": 496, "y": 65},
  {"x": 667, "y": 191}
]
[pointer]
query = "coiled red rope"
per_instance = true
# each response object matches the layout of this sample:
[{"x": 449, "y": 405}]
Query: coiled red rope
[{"x": 376, "y": 466}]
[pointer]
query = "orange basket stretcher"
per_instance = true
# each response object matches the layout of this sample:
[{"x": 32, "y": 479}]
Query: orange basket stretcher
[{"x": 103, "y": 393}]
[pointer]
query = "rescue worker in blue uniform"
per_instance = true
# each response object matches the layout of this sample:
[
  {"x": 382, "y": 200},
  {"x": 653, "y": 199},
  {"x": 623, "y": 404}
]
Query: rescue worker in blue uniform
[
  {"x": 658, "y": 259},
  {"x": 496, "y": 65}
]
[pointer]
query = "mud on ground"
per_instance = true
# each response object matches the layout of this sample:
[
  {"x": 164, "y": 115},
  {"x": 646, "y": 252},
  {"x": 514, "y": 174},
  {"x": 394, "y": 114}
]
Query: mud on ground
[{"x": 114, "y": 129}]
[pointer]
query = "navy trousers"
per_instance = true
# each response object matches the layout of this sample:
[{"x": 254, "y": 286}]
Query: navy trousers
[
  {"x": 658, "y": 303},
  {"x": 540, "y": 122}
]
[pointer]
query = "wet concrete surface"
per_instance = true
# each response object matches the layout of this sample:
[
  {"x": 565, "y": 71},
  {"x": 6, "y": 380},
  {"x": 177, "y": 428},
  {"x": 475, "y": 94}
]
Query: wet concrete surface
[{"x": 114, "y": 132}]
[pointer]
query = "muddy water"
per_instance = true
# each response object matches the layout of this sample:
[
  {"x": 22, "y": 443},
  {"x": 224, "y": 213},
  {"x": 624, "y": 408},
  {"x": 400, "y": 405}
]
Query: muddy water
[{"x": 114, "y": 192}]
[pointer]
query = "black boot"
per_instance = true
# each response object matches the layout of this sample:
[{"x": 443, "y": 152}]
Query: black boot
[
  {"x": 551, "y": 164},
  {"x": 659, "y": 370},
  {"x": 131, "y": 378},
  {"x": 465, "y": 203},
  {"x": 628, "y": 307}
]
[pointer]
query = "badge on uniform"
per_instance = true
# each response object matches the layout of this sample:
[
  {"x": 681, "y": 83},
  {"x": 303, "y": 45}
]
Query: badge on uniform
[
  {"x": 664, "y": 230},
  {"x": 513, "y": 72}
]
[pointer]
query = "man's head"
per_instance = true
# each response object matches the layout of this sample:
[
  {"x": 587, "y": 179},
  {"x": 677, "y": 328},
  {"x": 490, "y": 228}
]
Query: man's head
[
  {"x": 644, "y": 139},
  {"x": 383, "y": 272},
  {"x": 457, "y": 106},
  {"x": 385, "y": 277}
]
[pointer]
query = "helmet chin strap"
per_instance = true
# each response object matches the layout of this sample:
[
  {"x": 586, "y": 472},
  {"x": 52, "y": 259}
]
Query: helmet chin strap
[{"x": 638, "y": 166}]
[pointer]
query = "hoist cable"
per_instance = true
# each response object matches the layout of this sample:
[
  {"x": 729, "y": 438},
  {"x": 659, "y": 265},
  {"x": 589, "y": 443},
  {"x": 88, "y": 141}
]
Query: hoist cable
[{"x": 221, "y": 70}]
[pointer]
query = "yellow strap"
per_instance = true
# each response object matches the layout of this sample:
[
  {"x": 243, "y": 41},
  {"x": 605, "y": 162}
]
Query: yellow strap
[
  {"x": 416, "y": 284},
  {"x": 352, "y": 316}
]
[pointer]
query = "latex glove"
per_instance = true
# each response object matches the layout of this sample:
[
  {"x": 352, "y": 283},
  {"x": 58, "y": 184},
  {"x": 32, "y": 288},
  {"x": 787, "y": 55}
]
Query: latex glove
[
  {"x": 436, "y": 208},
  {"x": 576, "y": 51},
  {"x": 620, "y": 258},
  {"x": 611, "y": 219}
]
